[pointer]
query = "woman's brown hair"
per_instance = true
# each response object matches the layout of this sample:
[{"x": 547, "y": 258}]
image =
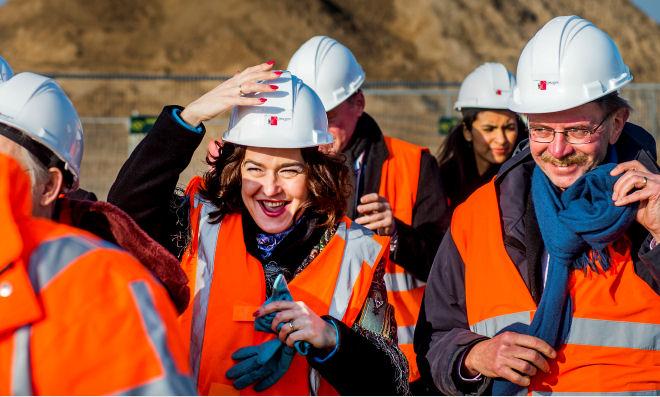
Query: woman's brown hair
[{"x": 328, "y": 183}]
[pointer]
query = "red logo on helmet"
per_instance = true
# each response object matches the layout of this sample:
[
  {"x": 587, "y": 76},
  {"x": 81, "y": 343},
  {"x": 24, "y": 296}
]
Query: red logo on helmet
[
  {"x": 272, "y": 120},
  {"x": 498, "y": 92},
  {"x": 542, "y": 85}
]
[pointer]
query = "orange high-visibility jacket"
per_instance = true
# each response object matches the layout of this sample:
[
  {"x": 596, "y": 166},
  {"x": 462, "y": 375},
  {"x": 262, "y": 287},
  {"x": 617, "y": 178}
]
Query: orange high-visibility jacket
[
  {"x": 613, "y": 344},
  {"x": 79, "y": 316},
  {"x": 229, "y": 285},
  {"x": 398, "y": 184}
]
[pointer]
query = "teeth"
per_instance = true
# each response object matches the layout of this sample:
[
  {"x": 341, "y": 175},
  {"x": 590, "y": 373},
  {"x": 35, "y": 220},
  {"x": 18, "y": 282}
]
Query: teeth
[{"x": 271, "y": 204}]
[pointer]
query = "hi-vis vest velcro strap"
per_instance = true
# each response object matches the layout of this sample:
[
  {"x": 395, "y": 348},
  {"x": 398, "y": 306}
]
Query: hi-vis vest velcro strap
[{"x": 585, "y": 331}]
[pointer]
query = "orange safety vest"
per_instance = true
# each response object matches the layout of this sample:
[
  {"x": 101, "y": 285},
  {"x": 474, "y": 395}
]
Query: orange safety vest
[
  {"x": 229, "y": 285},
  {"x": 398, "y": 184},
  {"x": 79, "y": 316},
  {"x": 614, "y": 340}
]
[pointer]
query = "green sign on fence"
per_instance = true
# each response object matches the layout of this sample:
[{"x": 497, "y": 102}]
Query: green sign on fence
[
  {"x": 141, "y": 124},
  {"x": 445, "y": 124}
]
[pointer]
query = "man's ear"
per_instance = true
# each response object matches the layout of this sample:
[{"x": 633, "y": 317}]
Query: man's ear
[
  {"x": 52, "y": 188},
  {"x": 619, "y": 118},
  {"x": 359, "y": 102}
]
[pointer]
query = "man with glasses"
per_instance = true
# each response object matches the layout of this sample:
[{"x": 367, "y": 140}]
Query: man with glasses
[{"x": 548, "y": 279}]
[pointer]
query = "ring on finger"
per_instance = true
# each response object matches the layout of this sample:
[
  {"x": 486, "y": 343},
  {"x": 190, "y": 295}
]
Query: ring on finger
[
  {"x": 240, "y": 90},
  {"x": 291, "y": 327},
  {"x": 646, "y": 180}
]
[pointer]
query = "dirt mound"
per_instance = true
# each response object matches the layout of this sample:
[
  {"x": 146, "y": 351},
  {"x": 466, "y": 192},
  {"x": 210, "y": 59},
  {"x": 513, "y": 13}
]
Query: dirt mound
[{"x": 393, "y": 39}]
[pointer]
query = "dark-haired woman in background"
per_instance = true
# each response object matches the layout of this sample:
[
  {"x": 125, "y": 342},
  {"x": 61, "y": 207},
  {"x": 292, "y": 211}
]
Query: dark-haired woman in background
[{"x": 486, "y": 135}]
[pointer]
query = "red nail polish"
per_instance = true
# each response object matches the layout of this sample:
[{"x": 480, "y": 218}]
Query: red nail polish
[
  {"x": 278, "y": 73},
  {"x": 262, "y": 100},
  {"x": 271, "y": 62},
  {"x": 274, "y": 87},
  {"x": 255, "y": 313}
]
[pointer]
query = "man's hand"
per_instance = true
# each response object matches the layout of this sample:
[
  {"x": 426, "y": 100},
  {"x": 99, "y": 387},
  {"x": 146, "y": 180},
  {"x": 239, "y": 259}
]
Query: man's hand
[
  {"x": 509, "y": 355},
  {"x": 376, "y": 214},
  {"x": 639, "y": 184}
]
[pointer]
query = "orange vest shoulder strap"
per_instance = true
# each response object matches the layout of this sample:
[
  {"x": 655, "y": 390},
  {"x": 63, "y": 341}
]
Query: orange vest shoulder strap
[
  {"x": 399, "y": 178},
  {"x": 476, "y": 229}
]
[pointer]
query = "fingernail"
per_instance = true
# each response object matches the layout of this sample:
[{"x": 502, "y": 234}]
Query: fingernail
[
  {"x": 274, "y": 87},
  {"x": 262, "y": 100},
  {"x": 255, "y": 313},
  {"x": 271, "y": 62},
  {"x": 278, "y": 73}
]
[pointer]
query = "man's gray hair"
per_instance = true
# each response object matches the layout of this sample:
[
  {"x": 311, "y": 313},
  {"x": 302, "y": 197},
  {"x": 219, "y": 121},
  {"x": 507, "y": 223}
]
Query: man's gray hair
[{"x": 613, "y": 102}]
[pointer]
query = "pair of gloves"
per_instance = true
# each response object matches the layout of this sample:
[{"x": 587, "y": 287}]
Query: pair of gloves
[{"x": 264, "y": 364}]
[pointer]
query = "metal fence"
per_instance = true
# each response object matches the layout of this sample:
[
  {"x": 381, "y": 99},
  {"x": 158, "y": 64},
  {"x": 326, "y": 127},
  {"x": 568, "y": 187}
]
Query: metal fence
[{"x": 410, "y": 111}]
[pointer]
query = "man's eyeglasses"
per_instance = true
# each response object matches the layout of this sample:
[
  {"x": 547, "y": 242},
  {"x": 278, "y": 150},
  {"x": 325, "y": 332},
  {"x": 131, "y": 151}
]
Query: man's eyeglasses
[{"x": 575, "y": 136}]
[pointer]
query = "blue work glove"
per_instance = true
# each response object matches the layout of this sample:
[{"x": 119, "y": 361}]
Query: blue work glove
[
  {"x": 254, "y": 363},
  {"x": 280, "y": 293}
]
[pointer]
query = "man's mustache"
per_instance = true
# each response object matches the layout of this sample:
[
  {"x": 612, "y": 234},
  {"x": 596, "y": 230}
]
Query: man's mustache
[{"x": 574, "y": 158}]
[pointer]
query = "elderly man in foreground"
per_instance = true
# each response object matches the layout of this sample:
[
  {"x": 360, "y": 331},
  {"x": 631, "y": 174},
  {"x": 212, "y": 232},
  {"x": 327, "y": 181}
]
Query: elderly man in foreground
[{"x": 548, "y": 279}]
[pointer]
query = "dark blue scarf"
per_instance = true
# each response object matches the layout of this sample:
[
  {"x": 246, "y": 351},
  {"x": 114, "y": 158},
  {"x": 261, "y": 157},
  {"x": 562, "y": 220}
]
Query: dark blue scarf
[{"x": 581, "y": 219}]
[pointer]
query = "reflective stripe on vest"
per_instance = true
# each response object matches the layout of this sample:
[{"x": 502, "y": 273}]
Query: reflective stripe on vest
[
  {"x": 172, "y": 383},
  {"x": 360, "y": 251},
  {"x": 208, "y": 238},
  {"x": 613, "y": 344},
  {"x": 399, "y": 183},
  {"x": 356, "y": 251},
  {"x": 585, "y": 331},
  {"x": 47, "y": 261},
  {"x": 21, "y": 376}
]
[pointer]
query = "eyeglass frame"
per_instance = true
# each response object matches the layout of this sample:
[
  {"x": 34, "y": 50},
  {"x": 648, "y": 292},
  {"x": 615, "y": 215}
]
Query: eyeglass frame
[{"x": 590, "y": 132}]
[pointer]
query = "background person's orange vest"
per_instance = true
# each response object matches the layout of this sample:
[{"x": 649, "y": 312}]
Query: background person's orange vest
[
  {"x": 614, "y": 339},
  {"x": 398, "y": 184},
  {"x": 47, "y": 347},
  {"x": 229, "y": 285}
]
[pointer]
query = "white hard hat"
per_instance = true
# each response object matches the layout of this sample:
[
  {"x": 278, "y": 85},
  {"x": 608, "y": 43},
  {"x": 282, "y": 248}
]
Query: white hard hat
[
  {"x": 329, "y": 68},
  {"x": 37, "y": 106},
  {"x": 5, "y": 70},
  {"x": 568, "y": 63},
  {"x": 293, "y": 117},
  {"x": 489, "y": 86}
]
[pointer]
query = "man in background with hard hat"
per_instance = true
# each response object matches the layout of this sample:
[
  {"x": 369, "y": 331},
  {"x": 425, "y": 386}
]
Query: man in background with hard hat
[
  {"x": 548, "y": 278},
  {"x": 79, "y": 315},
  {"x": 396, "y": 185}
]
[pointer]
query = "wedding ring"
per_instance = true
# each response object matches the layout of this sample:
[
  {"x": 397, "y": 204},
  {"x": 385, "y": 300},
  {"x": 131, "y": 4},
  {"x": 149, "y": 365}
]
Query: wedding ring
[
  {"x": 240, "y": 89},
  {"x": 646, "y": 180},
  {"x": 291, "y": 325}
]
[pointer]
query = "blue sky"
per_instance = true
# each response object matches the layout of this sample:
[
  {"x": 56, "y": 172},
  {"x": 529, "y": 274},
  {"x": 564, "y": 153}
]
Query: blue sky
[{"x": 651, "y": 7}]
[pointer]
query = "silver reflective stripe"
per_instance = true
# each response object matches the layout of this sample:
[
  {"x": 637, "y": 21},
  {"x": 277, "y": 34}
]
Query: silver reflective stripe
[
  {"x": 598, "y": 393},
  {"x": 585, "y": 331},
  {"x": 171, "y": 382},
  {"x": 360, "y": 247},
  {"x": 491, "y": 326},
  {"x": 21, "y": 372},
  {"x": 402, "y": 282},
  {"x": 207, "y": 241},
  {"x": 405, "y": 334},
  {"x": 52, "y": 257}
]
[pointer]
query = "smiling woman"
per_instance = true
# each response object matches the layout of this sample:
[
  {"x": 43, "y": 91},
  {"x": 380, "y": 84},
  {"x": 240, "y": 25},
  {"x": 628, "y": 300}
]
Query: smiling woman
[{"x": 270, "y": 211}]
